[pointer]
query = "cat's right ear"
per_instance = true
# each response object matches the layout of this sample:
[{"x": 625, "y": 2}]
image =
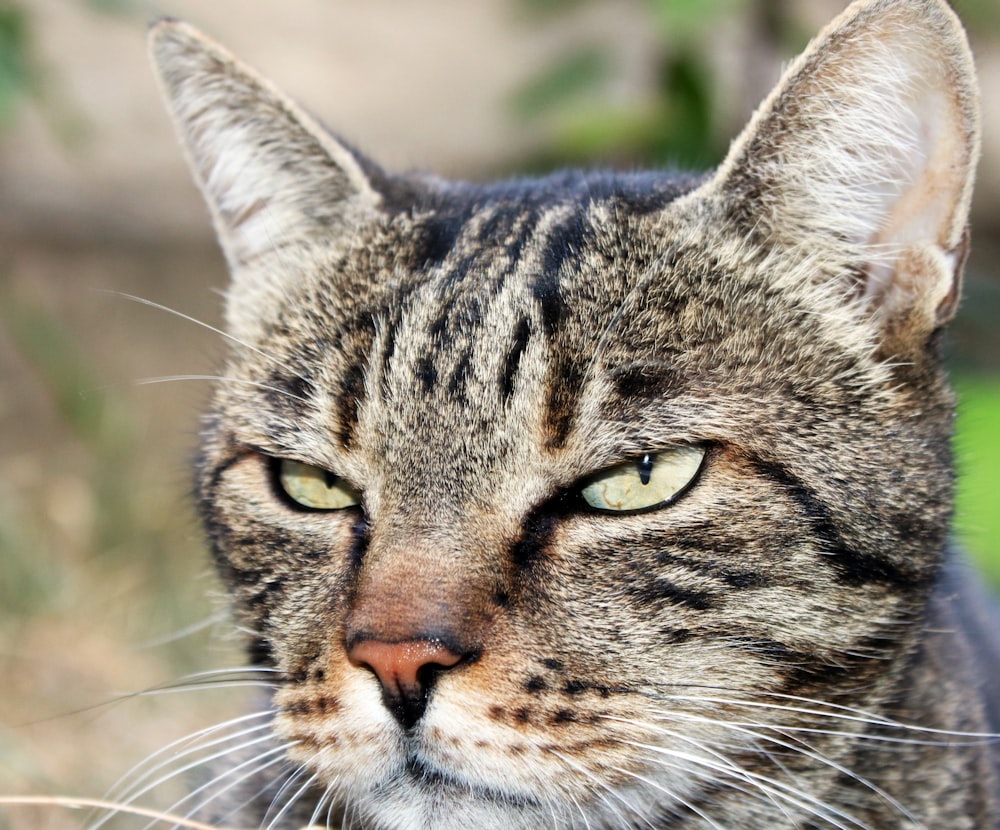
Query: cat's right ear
[
  {"x": 273, "y": 178},
  {"x": 860, "y": 164}
]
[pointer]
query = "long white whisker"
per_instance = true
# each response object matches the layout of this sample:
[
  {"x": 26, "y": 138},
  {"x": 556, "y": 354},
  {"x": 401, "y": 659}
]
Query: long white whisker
[
  {"x": 766, "y": 784},
  {"x": 802, "y": 749},
  {"x": 291, "y": 802},
  {"x": 832, "y": 712},
  {"x": 118, "y": 789},
  {"x": 135, "y": 789},
  {"x": 138, "y": 793},
  {"x": 219, "y": 379},
  {"x": 206, "y": 680},
  {"x": 671, "y": 795},
  {"x": 181, "y": 633},
  {"x": 721, "y": 764},
  {"x": 260, "y": 762},
  {"x": 602, "y": 788},
  {"x": 324, "y": 802},
  {"x": 222, "y": 333}
]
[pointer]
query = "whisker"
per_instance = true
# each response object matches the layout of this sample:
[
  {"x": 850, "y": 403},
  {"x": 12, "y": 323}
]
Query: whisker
[
  {"x": 257, "y": 764},
  {"x": 725, "y": 766},
  {"x": 733, "y": 769},
  {"x": 219, "y": 379},
  {"x": 138, "y": 793},
  {"x": 291, "y": 802},
  {"x": 101, "y": 804},
  {"x": 602, "y": 788},
  {"x": 165, "y": 688},
  {"x": 179, "y": 742},
  {"x": 134, "y": 786},
  {"x": 324, "y": 802},
  {"x": 671, "y": 795},
  {"x": 831, "y": 710},
  {"x": 221, "y": 332},
  {"x": 809, "y": 752},
  {"x": 181, "y": 633},
  {"x": 767, "y": 785}
]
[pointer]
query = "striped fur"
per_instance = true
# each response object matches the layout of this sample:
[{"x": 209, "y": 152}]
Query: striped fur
[{"x": 779, "y": 646}]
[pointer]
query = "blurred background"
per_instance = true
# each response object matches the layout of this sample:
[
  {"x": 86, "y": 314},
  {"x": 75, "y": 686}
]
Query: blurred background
[{"x": 104, "y": 585}]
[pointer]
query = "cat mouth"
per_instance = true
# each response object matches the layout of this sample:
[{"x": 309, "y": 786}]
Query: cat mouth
[{"x": 432, "y": 779}]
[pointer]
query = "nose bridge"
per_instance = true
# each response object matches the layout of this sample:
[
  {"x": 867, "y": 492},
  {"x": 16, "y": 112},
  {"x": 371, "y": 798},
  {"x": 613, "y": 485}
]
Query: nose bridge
[{"x": 424, "y": 585}]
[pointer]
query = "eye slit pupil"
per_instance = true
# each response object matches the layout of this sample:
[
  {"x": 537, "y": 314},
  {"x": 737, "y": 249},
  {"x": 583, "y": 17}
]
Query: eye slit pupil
[
  {"x": 330, "y": 479},
  {"x": 645, "y": 467}
]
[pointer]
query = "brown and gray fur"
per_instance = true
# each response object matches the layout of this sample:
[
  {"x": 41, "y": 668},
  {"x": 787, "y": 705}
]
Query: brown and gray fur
[{"x": 784, "y": 644}]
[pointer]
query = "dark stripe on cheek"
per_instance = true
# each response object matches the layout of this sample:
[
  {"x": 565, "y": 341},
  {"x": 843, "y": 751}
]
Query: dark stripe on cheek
[
  {"x": 853, "y": 566},
  {"x": 536, "y": 535},
  {"x": 661, "y": 592}
]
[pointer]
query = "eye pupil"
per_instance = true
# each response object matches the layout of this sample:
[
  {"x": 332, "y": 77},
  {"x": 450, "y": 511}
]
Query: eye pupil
[
  {"x": 329, "y": 478},
  {"x": 645, "y": 469}
]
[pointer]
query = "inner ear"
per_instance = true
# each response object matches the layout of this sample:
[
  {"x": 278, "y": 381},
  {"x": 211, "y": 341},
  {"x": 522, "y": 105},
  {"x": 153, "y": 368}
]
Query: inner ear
[{"x": 919, "y": 249}]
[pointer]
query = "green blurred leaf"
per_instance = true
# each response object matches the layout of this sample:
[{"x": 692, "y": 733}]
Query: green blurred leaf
[
  {"x": 15, "y": 64},
  {"x": 57, "y": 359},
  {"x": 541, "y": 9},
  {"x": 568, "y": 79},
  {"x": 978, "y": 455},
  {"x": 681, "y": 19},
  {"x": 979, "y": 15}
]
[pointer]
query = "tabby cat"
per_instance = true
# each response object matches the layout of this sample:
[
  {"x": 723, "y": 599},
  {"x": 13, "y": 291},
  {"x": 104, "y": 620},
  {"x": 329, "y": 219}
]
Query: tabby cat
[{"x": 602, "y": 500}]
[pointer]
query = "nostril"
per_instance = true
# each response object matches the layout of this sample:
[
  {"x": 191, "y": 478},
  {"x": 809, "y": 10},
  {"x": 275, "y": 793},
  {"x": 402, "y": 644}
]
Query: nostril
[{"x": 406, "y": 671}]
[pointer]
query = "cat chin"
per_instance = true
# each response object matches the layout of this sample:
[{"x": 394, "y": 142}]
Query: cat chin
[
  {"x": 424, "y": 798},
  {"x": 417, "y": 794}
]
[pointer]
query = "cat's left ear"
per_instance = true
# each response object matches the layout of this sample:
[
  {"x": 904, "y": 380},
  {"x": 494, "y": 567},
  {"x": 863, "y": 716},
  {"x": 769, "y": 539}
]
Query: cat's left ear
[
  {"x": 273, "y": 178},
  {"x": 863, "y": 160}
]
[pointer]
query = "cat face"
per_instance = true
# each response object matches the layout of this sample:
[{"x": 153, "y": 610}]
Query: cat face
[{"x": 575, "y": 501}]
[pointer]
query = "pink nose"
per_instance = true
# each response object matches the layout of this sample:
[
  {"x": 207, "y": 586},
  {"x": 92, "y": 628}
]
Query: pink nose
[{"x": 406, "y": 671}]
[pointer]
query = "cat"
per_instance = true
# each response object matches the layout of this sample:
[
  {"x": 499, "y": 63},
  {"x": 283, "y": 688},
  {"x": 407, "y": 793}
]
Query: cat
[{"x": 602, "y": 499}]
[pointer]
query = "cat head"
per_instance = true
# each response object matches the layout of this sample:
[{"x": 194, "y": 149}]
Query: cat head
[{"x": 517, "y": 484}]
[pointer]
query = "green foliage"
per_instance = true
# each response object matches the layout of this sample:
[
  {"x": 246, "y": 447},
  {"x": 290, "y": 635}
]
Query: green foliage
[
  {"x": 978, "y": 454},
  {"x": 979, "y": 15},
  {"x": 82, "y": 518},
  {"x": 570, "y": 77},
  {"x": 16, "y": 74},
  {"x": 21, "y": 72},
  {"x": 59, "y": 364},
  {"x": 677, "y": 124}
]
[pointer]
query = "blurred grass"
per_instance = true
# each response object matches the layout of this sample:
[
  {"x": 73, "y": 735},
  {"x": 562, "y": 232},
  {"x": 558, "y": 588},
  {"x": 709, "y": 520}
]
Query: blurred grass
[
  {"x": 17, "y": 72},
  {"x": 103, "y": 574},
  {"x": 977, "y": 446}
]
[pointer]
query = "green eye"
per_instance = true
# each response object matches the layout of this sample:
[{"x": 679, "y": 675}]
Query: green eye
[
  {"x": 316, "y": 488},
  {"x": 650, "y": 481}
]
